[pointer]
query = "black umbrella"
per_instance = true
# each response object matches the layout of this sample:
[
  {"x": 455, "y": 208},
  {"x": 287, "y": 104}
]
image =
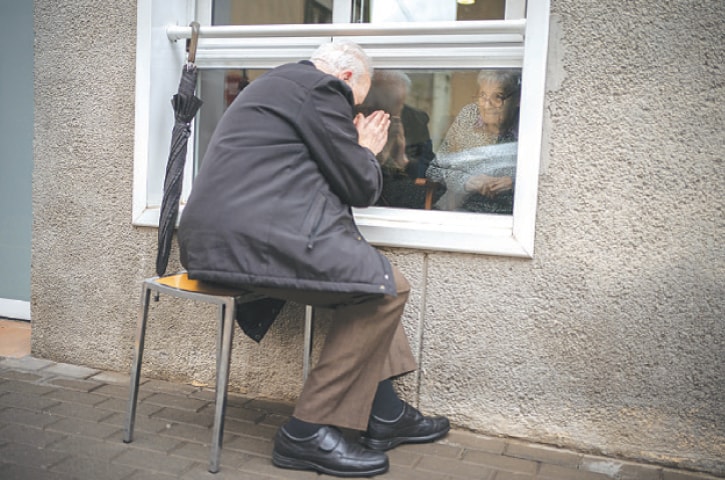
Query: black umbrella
[{"x": 185, "y": 105}]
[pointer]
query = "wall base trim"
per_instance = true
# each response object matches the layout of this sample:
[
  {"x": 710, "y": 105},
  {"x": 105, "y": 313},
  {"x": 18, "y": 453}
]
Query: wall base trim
[{"x": 16, "y": 309}]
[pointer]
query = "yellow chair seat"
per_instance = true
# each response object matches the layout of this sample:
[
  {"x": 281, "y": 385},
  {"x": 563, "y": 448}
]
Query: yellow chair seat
[{"x": 181, "y": 281}]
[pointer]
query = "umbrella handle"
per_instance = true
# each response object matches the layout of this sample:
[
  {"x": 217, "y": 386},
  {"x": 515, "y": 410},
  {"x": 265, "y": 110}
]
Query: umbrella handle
[{"x": 191, "y": 46}]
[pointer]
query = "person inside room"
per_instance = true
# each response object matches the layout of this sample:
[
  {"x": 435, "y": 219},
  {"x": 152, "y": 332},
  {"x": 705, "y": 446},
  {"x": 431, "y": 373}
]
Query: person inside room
[
  {"x": 409, "y": 150},
  {"x": 476, "y": 161}
]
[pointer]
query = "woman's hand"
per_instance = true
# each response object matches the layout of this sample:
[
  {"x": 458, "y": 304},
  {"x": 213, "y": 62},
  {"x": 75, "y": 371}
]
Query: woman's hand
[
  {"x": 372, "y": 130},
  {"x": 488, "y": 186}
]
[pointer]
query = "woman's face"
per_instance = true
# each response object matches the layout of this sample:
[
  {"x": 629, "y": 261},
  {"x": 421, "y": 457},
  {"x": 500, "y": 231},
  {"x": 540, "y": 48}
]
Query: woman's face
[{"x": 493, "y": 105}]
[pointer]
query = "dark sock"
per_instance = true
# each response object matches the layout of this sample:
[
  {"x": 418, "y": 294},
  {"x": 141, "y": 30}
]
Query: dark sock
[
  {"x": 387, "y": 405},
  {"x": 299, "y": 429}
]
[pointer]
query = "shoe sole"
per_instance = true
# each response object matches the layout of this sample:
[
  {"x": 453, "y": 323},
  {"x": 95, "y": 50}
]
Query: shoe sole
[
  {"x": 387, "y": 444},
  {"x": 282, "y": 461}
]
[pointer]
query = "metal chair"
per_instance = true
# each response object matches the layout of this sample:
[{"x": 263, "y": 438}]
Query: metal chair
[{"x": 181, "y": 286}]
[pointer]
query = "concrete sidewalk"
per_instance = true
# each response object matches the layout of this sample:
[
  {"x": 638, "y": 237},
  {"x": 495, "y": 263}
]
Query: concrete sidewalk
[{"x": 63, "y": 422}]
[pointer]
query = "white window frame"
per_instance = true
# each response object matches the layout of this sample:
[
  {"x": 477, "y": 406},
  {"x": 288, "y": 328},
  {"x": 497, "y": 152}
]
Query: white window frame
[{"x": 160, "y": 59}]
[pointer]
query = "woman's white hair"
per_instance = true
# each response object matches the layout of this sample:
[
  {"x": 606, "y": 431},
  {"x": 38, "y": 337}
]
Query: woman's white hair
[
  {"x": 510, "y": 80},
  {"x": 341, "y": 55}
]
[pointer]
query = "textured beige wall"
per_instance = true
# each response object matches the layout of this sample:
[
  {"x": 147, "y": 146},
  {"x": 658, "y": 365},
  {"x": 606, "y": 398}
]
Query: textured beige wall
[{"x": 610, "y": 340}]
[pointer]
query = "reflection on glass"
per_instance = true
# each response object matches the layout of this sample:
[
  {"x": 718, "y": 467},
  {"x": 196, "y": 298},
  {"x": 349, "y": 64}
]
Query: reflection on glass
[
  {"x": 379, "y": 11},
  {"x": 453, "y": 137},
  {"x": 476, "y": 162},
  {"x": 473, "y": 168},
  {"x": 262, "y": 12}
]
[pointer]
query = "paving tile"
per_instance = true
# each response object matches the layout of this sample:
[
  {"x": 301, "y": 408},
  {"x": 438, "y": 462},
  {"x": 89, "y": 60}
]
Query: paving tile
[
  {"x": 474, "y": 441},
  {"x": 89, "y": 447},
  {"x": 74, "y": 384},
  {"x": 404, "y": 458},
  {"x": 209, "y": 395},
  {"x": 83, "y": 428},
  {"x": 153, "y": 461},
  {"x": 634, "y": 471},
  {"x": 146, "y": 475},
  {"x": 25, "y": 435},
  {"x": 501, "y": 462},
  {"x": 274, "y": 420},
  {"x": 68, "y": 370},
  {"x": 671, "y": 474},
  {"x": 27, "y": 388},
  {"x": 142, "y": 423},
  {"x": 501, "y": 475},
  {"x": 121, "y": 391},
  {"x": 201, "y": 453},
  {"x": 555, "y": 472},
  {"x": 271, "y": 406},
  {"x": 454, "y": 468},
  {"x": 253, "y": 446},
  {"x": 176, "y": 401},
  {"x": 184, "y": 416},
  {"x": 70, "y": 427},
  {"x": 121, "y": 405},
  {"x": 234, "y": 399},
  {"x": 27, "y": 401},
  {"x": 397, "y": 472},
  {"x": 434, "y": 449},
  {"x": 620, "y": 469},
  {"x": 200, "y": 471},
  {"x": 92, "y": 468},
  {"x": 263, "y": 466},
  {"x": 76, "y": 410},
  {"x": 118, "y": 378},
  {"x": 249, "y": 429},
  {"x": 19, "y": 375},
  {"x": 157, "y": 386},
  {"x": 239, "y": 413},
  {"x": 26, "y": 363},
  {"x": 72, "y": 396},
  {"x": 21, "y": 472},
  {"x": 151, "y": 441},
  {"x": 542, "y": 453},
  {"x": 191, "y": 433},
  {"x": 28, "y": 417},
  {"x": 15, "y": 453}
]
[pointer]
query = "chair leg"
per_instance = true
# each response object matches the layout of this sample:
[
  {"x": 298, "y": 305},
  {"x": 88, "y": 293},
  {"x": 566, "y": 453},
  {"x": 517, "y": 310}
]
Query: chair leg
[
  {"x": 307, "y": 352},
  {"x": 224, "y": 341},
  {"x": 136, "y": 366}
]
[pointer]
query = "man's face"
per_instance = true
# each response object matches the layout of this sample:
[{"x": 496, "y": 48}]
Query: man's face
[{"x": 360, "y": 87}]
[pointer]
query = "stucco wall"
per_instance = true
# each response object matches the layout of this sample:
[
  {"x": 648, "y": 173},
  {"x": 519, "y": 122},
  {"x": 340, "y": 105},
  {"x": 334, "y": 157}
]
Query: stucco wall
[{"x": 609, "y": 340}]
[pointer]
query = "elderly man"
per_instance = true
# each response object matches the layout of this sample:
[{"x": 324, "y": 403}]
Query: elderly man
[{"x": 271, "y": 211}]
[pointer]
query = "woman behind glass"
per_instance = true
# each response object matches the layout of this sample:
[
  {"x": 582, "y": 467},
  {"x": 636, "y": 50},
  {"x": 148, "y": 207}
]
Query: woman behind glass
[{"x": 477, "y": 158}]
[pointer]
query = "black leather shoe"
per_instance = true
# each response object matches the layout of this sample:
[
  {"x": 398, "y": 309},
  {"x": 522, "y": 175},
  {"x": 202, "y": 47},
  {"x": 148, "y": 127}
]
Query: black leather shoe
[
  {"x": 327, "y": 451},
  {"x": 410, "y": 427}
]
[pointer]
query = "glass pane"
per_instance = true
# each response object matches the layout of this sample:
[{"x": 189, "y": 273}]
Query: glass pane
[
  {"x": 379, "y": 11},
  {"x": 453, "y": 139},
  {"x": 262, "y": 12}
]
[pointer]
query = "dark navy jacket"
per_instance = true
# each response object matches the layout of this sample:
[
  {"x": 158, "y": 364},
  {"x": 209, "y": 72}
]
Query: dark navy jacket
[{"x": 270, "y": 205}]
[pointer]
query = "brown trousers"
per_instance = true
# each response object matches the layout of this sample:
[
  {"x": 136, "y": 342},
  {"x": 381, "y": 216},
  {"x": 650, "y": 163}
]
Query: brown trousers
[{"x": 365, "y": 345}]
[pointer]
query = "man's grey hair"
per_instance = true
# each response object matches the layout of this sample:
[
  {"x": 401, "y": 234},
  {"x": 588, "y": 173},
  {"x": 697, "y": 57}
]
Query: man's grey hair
[{"x": 341, "y": 55}]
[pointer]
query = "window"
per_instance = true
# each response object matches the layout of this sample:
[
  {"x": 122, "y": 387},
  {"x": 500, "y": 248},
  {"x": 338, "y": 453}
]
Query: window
[{"x": 463, "y": 174}]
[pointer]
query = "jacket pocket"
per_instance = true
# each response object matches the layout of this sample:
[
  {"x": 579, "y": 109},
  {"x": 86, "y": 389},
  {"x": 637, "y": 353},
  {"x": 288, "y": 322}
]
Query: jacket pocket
[{"x": 313, "y": 219}]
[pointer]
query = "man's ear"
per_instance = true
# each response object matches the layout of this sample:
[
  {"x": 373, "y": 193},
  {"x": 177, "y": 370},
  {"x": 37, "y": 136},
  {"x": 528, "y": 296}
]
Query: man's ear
[{"x": 345, "y": 75}]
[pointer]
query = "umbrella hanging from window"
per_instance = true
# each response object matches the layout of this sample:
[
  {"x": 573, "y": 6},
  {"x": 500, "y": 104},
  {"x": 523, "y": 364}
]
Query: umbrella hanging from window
[{"x": 185, "y": 105}]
